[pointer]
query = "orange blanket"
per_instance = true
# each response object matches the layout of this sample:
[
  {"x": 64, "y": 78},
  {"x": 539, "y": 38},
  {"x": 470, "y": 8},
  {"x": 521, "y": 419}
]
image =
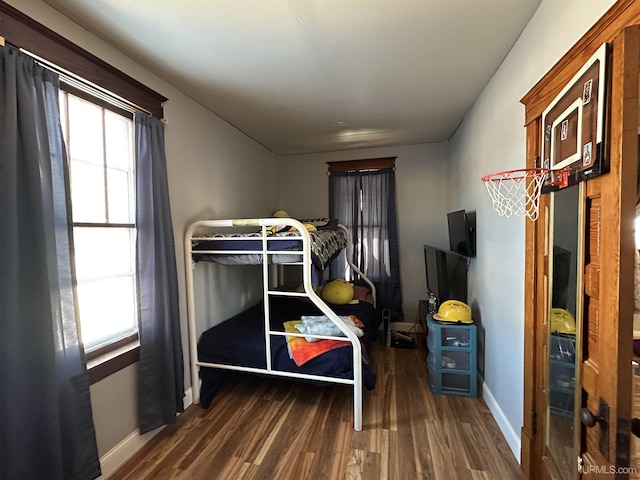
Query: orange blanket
[{"x": 302, "y": 351}]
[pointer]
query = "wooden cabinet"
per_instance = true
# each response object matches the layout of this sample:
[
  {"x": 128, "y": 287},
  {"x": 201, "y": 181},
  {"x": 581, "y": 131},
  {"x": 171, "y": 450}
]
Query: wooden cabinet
[{"x": 605, "y": 274}]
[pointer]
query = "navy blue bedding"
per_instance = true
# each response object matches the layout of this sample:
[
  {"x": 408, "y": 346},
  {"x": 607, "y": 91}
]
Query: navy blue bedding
[
  {"x": 240, "y": 341},
  {"x": 325, "y": 245},
  {"x": 250, "y": 244}
]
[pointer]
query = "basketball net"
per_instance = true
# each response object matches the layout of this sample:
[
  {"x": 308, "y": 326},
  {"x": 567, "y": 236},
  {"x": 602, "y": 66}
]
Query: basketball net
[{"x": 516, "y": 192}]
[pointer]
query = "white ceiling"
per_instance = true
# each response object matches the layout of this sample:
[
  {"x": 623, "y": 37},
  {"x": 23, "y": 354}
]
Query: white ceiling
[{"x": 289, "y": 72}]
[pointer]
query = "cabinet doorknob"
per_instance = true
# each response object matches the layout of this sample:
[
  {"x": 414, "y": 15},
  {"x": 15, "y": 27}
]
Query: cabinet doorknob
[{"x": 588, "y": 419}]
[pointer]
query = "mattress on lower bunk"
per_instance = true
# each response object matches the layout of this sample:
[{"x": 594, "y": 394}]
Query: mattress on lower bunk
[{"x": 240, "y": 341}]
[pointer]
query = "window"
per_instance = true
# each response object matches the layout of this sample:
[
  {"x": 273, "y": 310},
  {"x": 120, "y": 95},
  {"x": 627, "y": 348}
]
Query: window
[
  {"x": 100, "y": 150},
  {"x": 362, "y": 197},
  {"x": 83, "y": 69}
]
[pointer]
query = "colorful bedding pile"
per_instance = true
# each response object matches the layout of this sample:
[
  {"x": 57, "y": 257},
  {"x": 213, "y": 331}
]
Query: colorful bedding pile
[{"x": 303, "y": 349}]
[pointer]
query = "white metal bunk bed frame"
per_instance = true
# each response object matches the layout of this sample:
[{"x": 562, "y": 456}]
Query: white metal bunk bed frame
[{"x": 308, "y": 292}]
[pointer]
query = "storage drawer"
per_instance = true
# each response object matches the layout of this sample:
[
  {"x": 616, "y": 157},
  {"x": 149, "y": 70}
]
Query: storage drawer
[
  {"x": 455, "y": 337},
  {"x": 456, "y": 382},
  {"x": 459, "y": 384},
  {"x": 456, "y": 359},
  {"x": 449, "y": 360}
]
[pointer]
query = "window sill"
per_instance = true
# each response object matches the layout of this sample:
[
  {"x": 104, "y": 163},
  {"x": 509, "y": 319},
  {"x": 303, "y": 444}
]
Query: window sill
[{"x": 113, "y": 361}]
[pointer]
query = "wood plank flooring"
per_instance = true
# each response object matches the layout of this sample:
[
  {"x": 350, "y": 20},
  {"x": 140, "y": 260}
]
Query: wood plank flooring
[{"x": 274, "y": 428}]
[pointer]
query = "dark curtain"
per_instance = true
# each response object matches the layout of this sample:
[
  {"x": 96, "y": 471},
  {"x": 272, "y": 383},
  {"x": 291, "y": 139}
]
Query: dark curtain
[
  {"x": 161, "y": 366},
  {"x": 365, "y": 202},
  {"x": 46, "y": 424}
]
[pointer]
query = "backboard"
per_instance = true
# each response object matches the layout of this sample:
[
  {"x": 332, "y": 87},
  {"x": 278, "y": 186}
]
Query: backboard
[{"x": 573, "y": 126}]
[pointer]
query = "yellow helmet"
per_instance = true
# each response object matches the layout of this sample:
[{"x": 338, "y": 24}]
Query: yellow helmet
[
  {"x": 562, "y": 321},
  {"x": 453, "y": 311}
]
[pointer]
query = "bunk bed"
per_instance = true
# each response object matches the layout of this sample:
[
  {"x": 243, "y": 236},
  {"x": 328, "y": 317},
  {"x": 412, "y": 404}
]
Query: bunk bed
[{"x": 268, "y": 338}]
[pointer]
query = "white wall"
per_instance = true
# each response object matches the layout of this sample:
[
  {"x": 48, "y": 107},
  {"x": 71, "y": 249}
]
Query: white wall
[
  {"x": 421, "y": 193},
  {"x": 491, "y": 139},
  {"x": 214, "y": 171}
]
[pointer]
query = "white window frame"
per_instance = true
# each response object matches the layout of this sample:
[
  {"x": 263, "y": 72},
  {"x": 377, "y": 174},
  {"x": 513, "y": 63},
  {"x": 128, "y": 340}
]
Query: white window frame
[{"x": 122, "y": 340}]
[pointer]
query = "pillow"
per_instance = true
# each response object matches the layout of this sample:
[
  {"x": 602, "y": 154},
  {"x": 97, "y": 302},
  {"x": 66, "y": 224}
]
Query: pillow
[
  {"x": 362, "y": 293},
  {"x": 332, "y": 224},
  {"x": 322, "y": 325},
  {"x": 316, "y": 222},
  {"x": 322, "y": 223}
]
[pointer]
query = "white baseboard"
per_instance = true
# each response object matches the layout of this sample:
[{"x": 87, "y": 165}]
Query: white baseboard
[
  {"x": 119, "y": 454},
  {"x": 124, "y": 450},
  {"x": 188, "y": 398},
  {"x": 510, "y": 435}
]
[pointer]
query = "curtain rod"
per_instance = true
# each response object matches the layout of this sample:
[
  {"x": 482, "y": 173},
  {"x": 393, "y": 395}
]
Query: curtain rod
[
  {"x": 364, "y": 165},
  {"x": 82, "y": 84},
  {"x": 86, "y": 86}
]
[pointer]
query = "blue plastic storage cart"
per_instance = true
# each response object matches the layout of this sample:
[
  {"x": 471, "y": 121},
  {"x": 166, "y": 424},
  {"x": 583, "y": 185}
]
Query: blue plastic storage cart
[{"x": 452, "y": 358}]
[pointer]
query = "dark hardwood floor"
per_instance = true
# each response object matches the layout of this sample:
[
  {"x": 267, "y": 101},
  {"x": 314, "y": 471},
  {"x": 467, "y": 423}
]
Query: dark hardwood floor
[{"x": 274, "y": 428}]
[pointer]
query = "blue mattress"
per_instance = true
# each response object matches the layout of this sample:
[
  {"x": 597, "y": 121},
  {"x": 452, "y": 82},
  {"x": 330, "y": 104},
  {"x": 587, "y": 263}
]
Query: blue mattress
[
  {"x": 325, "y": 246},
  {"x": 249, "y": 244},
  {"x": 240, "y": 341}
]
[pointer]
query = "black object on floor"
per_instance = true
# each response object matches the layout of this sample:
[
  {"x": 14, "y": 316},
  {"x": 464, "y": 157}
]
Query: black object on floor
[{"x": 400, "y": 340}]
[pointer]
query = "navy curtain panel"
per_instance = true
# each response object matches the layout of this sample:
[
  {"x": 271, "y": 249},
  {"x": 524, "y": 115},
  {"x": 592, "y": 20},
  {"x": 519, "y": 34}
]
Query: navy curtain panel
[
  {"x": 161, "y": 366},
  {"x": 365, "y": 202},
  {"x": 46, "y": 423}
]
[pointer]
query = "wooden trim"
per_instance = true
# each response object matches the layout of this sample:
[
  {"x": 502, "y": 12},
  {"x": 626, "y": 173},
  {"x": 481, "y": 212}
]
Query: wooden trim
[
  {"x": 103, "y": 225},
  {"x": 24, "y": 32},
  {"x": 105, "y": 365},
  {"x": 83, "y": 94},
  {"x": 552, "y": 470},
  {"x": 110, "y": 358},
  {"x": 362, "y": 165},
  {"x": 529, "y": 438},
  {"x": 628, "y": 198},
  {"x": 618, "y": 200},
  {"x": 111, "y": 347},
  {"x": 623, "y": 12}
]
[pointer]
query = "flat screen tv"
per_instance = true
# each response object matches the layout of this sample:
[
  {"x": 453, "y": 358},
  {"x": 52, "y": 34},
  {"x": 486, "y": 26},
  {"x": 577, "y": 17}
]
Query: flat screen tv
[
  {"x": 462, "y": 232},
  {"x": 446, "y": 273}
]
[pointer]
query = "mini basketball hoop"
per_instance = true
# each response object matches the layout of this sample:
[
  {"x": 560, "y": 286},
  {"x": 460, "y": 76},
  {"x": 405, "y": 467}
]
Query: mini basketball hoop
[{"x": 516, "y": 192}]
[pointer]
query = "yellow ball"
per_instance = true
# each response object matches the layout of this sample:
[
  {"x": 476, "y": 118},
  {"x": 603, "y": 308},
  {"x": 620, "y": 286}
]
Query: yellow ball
[{"x": 338, "y": 292}]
